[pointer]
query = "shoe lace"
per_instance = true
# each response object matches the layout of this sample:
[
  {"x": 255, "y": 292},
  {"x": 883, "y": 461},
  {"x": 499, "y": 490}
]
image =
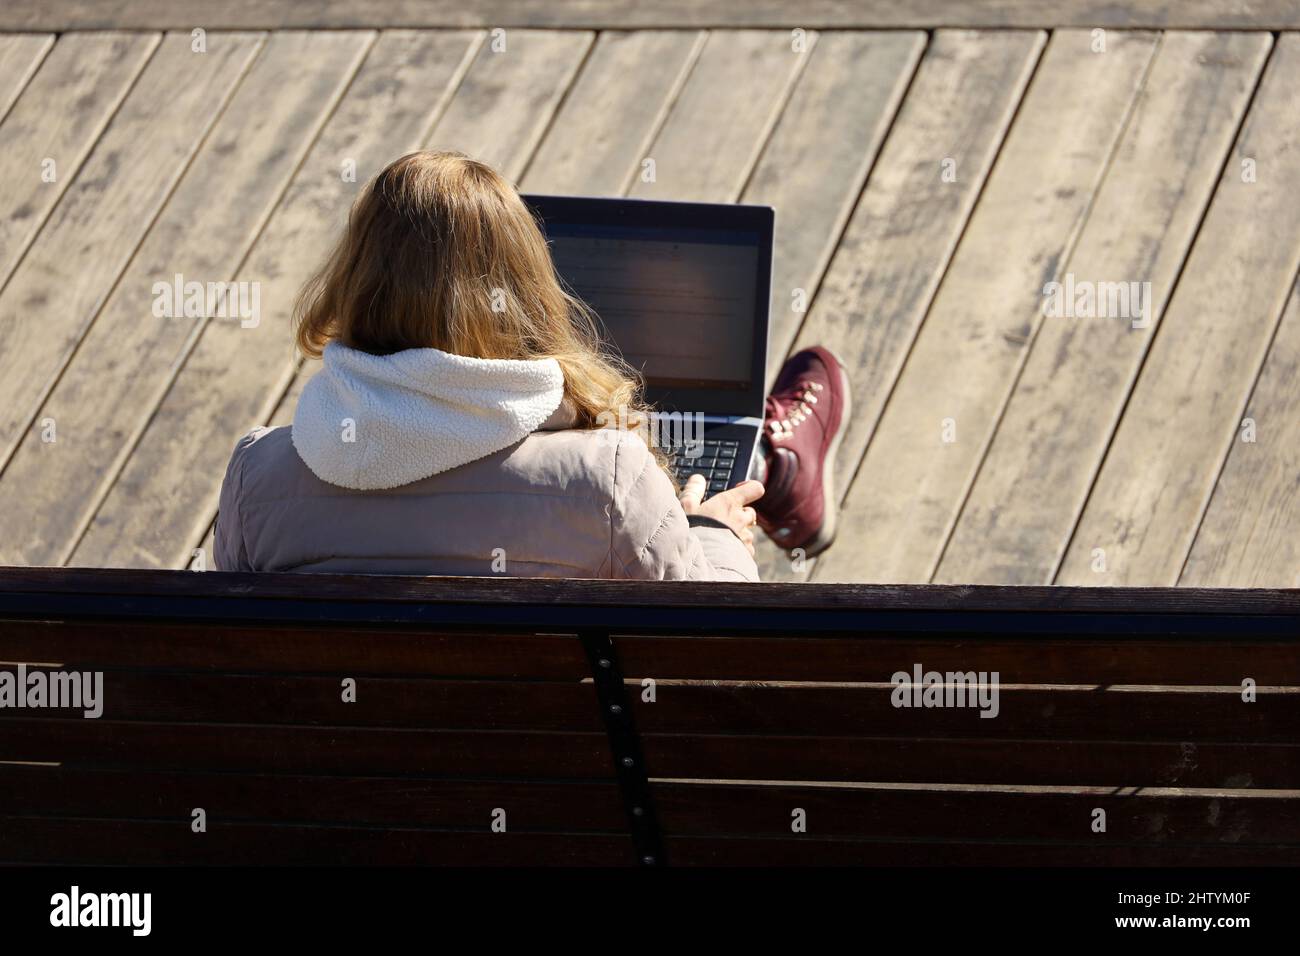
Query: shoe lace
[{"x": 785, "y": 412}]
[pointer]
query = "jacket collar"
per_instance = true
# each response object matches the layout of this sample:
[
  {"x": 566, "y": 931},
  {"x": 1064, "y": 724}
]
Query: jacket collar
[{"x": 379, "y": 421}]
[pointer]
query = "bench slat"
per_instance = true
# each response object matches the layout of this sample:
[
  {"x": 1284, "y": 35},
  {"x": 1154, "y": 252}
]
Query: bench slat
[
  {"x": 901, "y": 812},
  {"x": 1024, "y": 661},
  {"x": 720, "y": 851},
  {"x": 1131, "y": 763},
  {"x": 380, "y": 702},
  {"x": 302, "y": 649},
  {"x": 144, "y": 842},
  {"x": 1166, "y": 817},
  {"x": 1162, "y": 713},
  {"x": 116, "y": 584},
  {"x": 329, "y": 750},
  {"x": 296, "y": 798}
]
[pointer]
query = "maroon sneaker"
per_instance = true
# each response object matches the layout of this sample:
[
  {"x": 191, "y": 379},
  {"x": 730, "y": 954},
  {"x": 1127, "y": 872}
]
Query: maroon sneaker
[{"x": 804, "y": 422}]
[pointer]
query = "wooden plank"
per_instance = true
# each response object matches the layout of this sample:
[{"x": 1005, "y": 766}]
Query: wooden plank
[
  {"x": 483, "y": 653},
  {"x": 1034, "y": 480},
  {"x": 1250, "y": 535},
  {"x": 809, "y": 851},
  {"x": 236, "y": 375},
  {"x": 305, "y": 750},
  {"x": 575, "y": 755},
  {"x": 508, "y": 98},
  {"x": 1125, "y": 609},
  {"x": 279, "y": 14},
  {"x": 1090, "y": 763},
  {"x": 20, "y": 56},
  {"x": 901, "y": 812},
  {"x": 310, "y": 650},
  {"x": 722, "y": 119},
  {"x": 1187, "y": 407},
  {"x": 819, "y": 155},
  {"x": 386, "y": 702},
  {"x": 936, "y": 424},
  {"x": 147, "y": 842},
  {"x": 289, "y": 401},
  {"x": 684, "y": 808},
  {"x": 906, "y": 225},
  {"x": 35, "y": 791},
  {"x": 67, "y": 105},
  {"x": 616, "y": 106},
  {"x": 255, "y": 148},
  {"x": 1040, "y": 660},
  {"x": 55, "y": 293},
  {"x": 1024, "y": 711}
]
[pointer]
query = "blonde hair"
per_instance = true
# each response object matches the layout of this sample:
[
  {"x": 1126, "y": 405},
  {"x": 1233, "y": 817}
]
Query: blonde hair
[{"x": 440, "y": 252}]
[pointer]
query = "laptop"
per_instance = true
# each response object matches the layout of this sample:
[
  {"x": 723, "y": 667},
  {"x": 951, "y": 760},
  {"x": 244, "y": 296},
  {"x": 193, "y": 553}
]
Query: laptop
[{"x": 682, "y": 289}]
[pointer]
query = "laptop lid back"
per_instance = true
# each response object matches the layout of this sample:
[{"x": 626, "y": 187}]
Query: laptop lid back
[{"x": 682, "y": 290}]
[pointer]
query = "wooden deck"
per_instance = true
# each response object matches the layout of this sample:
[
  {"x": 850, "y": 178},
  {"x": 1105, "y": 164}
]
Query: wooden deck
[{"x": 928, "y": 184}]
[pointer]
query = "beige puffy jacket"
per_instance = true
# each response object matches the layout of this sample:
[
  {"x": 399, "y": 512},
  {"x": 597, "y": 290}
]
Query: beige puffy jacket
[{"x": 422, "y": 462}]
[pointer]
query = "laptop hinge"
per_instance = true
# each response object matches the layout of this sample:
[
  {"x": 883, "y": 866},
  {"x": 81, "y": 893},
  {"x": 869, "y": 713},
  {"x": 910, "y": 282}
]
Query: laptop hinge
[{"x": 731, "y": 420}]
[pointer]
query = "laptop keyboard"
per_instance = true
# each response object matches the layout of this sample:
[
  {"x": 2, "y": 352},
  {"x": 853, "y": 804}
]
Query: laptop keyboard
[{"x": 715, "y": 462}]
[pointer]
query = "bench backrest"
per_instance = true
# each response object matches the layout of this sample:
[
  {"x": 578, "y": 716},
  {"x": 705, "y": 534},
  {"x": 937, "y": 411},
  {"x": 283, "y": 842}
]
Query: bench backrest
[{"x": 341, "y": 719}]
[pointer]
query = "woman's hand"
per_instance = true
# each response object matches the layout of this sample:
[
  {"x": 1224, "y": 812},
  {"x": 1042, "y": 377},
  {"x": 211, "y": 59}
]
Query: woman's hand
[{"x": 731, "y": 507}]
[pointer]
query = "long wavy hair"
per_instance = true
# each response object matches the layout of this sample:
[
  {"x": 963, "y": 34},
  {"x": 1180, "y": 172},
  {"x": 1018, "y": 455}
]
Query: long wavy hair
[{"x": 440, "y": 252}]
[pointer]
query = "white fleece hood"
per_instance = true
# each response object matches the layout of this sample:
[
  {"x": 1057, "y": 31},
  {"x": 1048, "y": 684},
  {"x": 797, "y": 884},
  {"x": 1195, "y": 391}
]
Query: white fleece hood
[{"x": 379, "y": 421}]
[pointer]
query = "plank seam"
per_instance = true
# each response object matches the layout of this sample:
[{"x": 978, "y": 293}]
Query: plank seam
[
  {"x": 26, "y": 80},
  {"x": 867, "y": 168},
  {"x": 774, "y": 117},
  {"x": 97, "y": 309},
  {"x": 567, "y": 83},
  {"x": 1065, "y": 261},
  {"x": 665, "y": 109},
  {"x": 1160, "y": 325},
  {"x": 560, "y": 102},
  {"x": 92, "y": 142},
  {"x": 1232, "y": 431}
]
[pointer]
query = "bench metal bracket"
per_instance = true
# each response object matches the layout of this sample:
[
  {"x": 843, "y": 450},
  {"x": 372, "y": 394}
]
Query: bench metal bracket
[{"x": 625, "y": 747}]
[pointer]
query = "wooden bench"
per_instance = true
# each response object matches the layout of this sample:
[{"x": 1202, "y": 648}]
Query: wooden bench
[{"x": 772, "y": 735}]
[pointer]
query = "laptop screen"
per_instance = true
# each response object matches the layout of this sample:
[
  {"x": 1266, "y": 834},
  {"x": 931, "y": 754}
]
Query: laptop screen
[{"x": 681, "y": 289}]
